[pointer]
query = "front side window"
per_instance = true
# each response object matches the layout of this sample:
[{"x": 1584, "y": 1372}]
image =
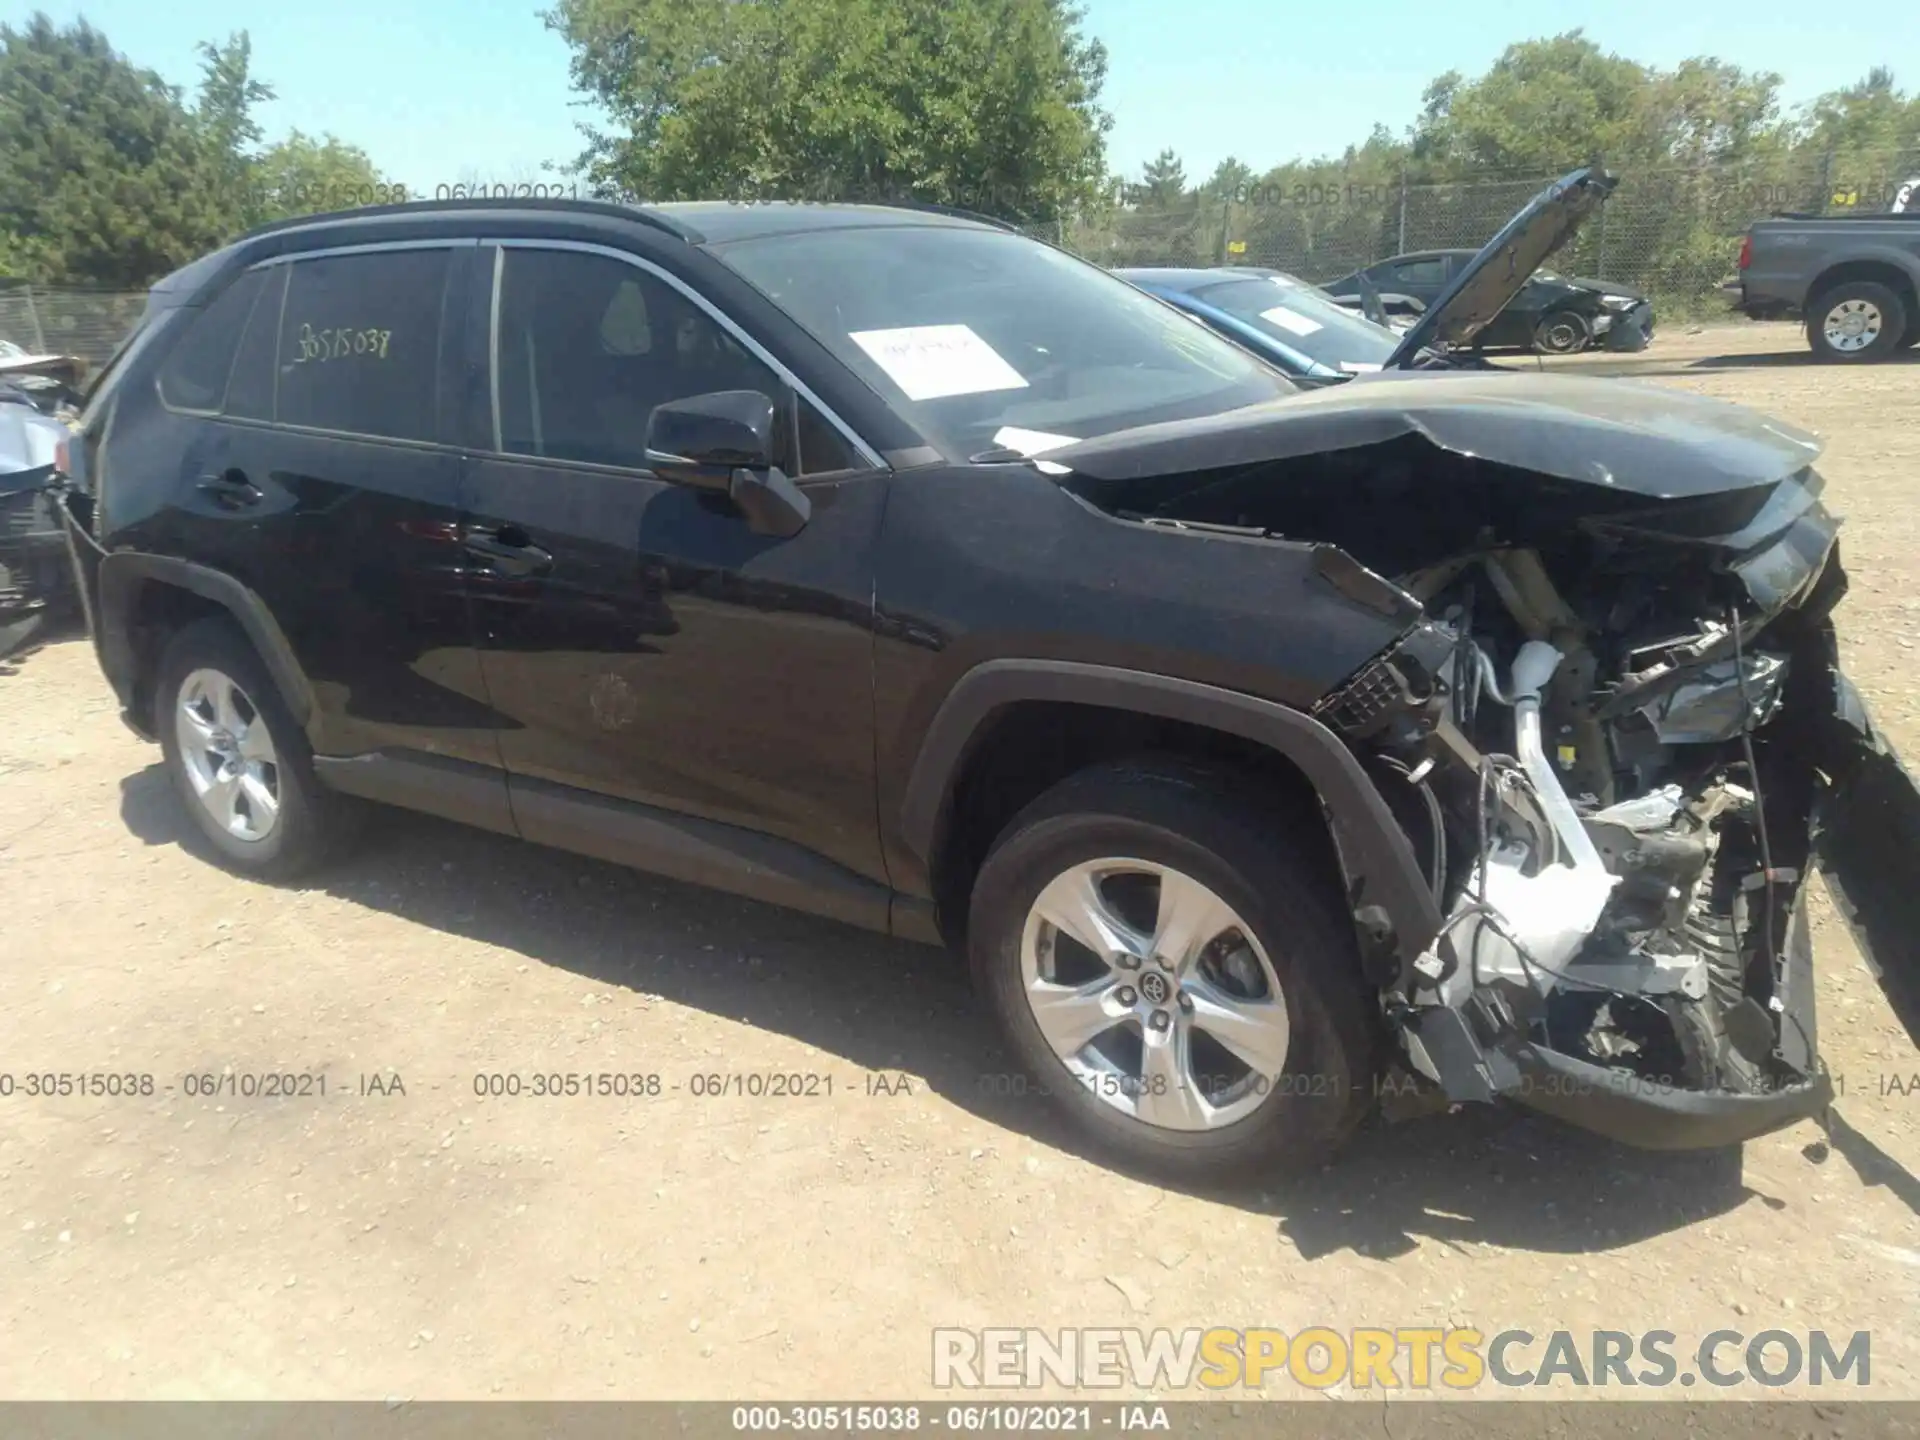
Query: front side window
[
  {"x": 588, "y": 345},
  {"x": 1419, "y": 272},
  {"x": 359, "y": 343},
  {"x": 988, "y": 341}
]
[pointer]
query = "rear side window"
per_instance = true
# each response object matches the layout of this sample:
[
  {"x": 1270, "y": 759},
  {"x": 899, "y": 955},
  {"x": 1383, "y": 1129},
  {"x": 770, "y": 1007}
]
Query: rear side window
[
  {"x": 194, "y": 376},
  {"x": 359, "y": 343}
]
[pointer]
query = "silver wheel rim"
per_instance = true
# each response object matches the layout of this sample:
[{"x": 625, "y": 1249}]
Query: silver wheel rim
[
  {"x": 1154, "y": 994},
  {"x": 227, "y": 753},
  {"x": 1852, "y": 325}
]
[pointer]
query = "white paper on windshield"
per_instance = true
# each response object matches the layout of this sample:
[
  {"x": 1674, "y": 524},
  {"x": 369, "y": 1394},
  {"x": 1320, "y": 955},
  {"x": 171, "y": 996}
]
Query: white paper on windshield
[
  {"x": 930, "y": 361},
  {"x": 1288, "y": 320},
  {"x": 1285, "y": 282},
  {"x": 1358, "y": 367}
]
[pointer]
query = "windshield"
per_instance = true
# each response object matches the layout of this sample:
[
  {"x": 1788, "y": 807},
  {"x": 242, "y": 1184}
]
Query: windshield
[
  {"x": 1304, "y": 320},
  {"x": 987, "y": 340}
]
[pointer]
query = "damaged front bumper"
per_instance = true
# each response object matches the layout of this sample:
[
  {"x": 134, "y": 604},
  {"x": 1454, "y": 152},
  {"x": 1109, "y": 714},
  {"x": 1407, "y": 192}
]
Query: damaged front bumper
[
  {"x": 1649, "y": 1113},
  {"x": 1836, "y": 798},
  {"x": 1627, "y": 331}
]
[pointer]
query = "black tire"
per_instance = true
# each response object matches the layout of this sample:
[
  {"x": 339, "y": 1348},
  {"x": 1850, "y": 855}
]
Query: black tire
[
  {"x": 1894, "y": 322},
  {"x": 1280, "y": 881},
  {"x": 1562, "y": 332},
  {"x": 1912, "y": 337},
  {"x": 313, "y": 821}
]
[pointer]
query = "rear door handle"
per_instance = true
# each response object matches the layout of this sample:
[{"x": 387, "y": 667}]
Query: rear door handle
[
  {"x": 230, "y": 489},
  {"x": 508, "y": 551}
]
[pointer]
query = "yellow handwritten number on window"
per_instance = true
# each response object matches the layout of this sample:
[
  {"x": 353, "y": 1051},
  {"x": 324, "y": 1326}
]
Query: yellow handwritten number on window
[{"x": 338, "y": 342}]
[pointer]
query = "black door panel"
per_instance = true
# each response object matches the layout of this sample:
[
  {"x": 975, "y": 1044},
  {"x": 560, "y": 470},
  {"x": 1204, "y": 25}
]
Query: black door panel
[
  {"x": 637, "y": 639},
  {"x": 347, "y": 525}
]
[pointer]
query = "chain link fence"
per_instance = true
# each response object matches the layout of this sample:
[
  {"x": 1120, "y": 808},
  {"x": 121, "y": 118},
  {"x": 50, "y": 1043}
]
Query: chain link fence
[
  {"x": 1673, "y": 233},
  {"x": 61, "y": 320}
]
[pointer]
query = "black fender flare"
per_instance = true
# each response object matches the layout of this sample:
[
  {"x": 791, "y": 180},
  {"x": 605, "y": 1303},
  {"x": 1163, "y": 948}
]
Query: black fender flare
[
  {"x": 123, "y": 572},
  {"x": 1379, "y": 861}
]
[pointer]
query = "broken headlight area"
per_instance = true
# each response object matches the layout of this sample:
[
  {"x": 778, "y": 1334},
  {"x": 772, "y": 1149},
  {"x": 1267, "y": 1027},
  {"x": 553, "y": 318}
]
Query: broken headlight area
[{"x": 1617, "y": 772}]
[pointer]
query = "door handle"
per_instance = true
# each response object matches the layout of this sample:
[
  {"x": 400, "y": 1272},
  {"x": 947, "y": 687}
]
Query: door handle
[
  {"x": 230, "y": 489},
  {"x": 508, "y": 551}
]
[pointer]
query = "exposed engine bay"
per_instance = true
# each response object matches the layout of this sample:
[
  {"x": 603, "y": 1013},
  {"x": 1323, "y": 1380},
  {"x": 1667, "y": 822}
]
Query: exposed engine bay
[
  {"x": 1608, "y": 733},
  {"x": 1618, "y": 866}
]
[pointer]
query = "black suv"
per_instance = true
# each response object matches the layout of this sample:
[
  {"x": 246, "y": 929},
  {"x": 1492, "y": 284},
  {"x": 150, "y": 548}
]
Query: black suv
[{"x": 1259, "y": 746}]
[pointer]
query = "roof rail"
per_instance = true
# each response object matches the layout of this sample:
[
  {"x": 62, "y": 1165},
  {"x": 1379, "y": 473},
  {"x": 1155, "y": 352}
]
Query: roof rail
[
  {"x": 484, "y": 202},
  {"x": 931, "y": 208}
]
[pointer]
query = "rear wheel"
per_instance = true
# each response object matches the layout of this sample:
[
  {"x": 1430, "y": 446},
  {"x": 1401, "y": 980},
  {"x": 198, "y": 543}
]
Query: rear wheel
[
  {"x": 1176, "y": 972},
  {"x": 1855, "y": 322},
  {"x": 239, "y": 763}
]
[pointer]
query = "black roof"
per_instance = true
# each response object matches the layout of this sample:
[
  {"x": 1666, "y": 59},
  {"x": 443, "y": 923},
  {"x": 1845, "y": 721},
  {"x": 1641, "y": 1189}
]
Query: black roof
[
  {"x": 719, "y": 221},
  {"x": 698, "y": 222}
]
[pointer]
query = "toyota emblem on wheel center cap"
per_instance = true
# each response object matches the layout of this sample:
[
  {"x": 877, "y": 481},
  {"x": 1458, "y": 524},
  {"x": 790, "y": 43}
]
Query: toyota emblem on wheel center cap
[{"x": 1154, "y": 986}]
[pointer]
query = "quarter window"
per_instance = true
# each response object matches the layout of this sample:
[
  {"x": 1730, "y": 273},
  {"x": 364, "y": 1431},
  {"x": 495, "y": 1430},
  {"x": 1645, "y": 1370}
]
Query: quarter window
[
  {"x": 250, "y": 391},
  {"x": 194, "y": 376},
  {"x": 359, "y": 343}
]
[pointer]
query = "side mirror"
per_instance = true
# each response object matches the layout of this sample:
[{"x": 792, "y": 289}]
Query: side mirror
[
  {"x": 702, "y": 440},
  {"x": 723, "y": 442}
]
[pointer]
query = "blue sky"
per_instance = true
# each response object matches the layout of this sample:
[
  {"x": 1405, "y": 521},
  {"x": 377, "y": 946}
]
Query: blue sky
[{"x": 441, "y": 91}]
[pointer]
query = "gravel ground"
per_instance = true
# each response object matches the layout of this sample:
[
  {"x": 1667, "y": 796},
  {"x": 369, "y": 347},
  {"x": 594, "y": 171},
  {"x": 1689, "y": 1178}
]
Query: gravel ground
[{"x": 400, "y": 1235}]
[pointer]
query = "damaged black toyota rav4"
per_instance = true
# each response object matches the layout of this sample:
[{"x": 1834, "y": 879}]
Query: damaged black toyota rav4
[{"x": 1480, "y": 732}]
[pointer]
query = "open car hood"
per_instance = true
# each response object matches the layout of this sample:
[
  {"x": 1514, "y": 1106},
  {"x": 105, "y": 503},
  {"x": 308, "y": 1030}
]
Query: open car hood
[
  {"x": 1624, "y": 435},
  {"x": 1505, "y": 264}
]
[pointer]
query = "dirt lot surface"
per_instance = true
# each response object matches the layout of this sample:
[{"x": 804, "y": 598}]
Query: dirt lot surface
[{"x": 434, "y": 1243}]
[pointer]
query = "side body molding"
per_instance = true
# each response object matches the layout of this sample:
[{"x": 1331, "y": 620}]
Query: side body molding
[
  {"x": 1381, "y": 867},
  {"x": 121, "y": 575}
]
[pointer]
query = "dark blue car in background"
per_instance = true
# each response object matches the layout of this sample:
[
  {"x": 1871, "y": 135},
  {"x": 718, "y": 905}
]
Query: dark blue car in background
[
  {"x": 1314, "y": 335},
  {"x": 1286, "y": 321}
]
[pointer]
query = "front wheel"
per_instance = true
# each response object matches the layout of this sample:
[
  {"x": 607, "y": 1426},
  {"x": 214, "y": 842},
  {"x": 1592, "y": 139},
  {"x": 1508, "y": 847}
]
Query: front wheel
[
  {"x": 1856, "y": 322},
  {"x": 1175, "y": 970},
  {"x": 1562, "y": 333}
]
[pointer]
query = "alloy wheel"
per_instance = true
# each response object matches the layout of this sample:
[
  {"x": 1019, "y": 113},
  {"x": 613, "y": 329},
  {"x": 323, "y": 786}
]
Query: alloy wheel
[
  {"x": 1154, "y": 994},
  {"x": 228, "y": 755}
]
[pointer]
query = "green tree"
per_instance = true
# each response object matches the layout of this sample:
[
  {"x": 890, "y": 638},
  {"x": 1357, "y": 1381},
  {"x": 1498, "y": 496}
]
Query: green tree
[
  {"x": 1541, "y": 108},
  {"x": 104, "y": 178},
  {"x": 305, "y": 174},
  {"x": 1863, "y": 141},
  {"x": 228, "y": 93},
  {"x": 1163, "y": 183},
  {"x": 223, "y": 113},
  {"x": 1230, "y": 177},
  {"x": 986, "y": 104}
]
